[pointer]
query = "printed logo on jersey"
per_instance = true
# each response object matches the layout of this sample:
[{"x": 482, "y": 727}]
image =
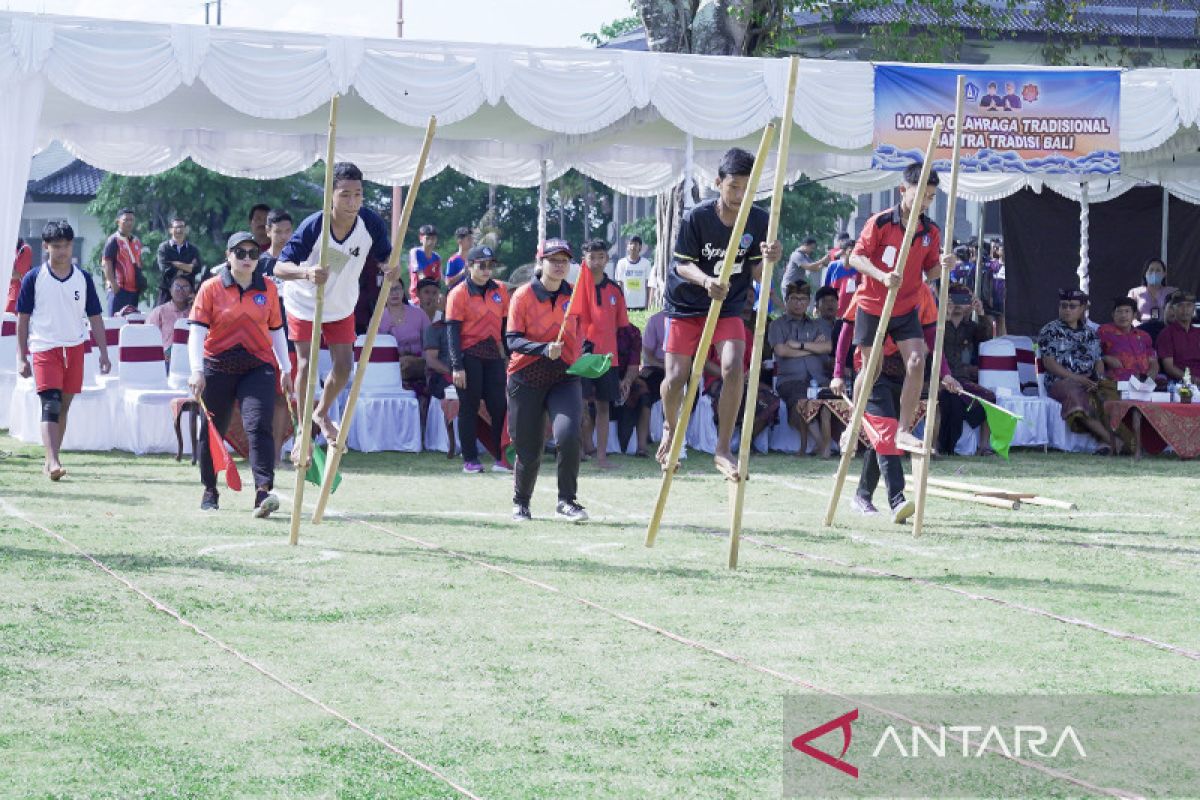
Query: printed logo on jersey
[
  {"x": 496, "y": 297},
  {"x": 260, "y": 299},
  {"x": 925, "y": 240},
  {"x": 612, "y": 301},
  {"x": 746, "y": 240}
]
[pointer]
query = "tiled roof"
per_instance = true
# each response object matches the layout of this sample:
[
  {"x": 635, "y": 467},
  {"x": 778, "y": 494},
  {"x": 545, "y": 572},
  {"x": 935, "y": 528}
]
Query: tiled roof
[{"x": 76, "y": 181}]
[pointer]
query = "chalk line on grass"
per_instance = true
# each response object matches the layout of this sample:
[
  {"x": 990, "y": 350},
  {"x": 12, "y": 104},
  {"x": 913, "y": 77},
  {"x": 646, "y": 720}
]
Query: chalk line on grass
[
  {"x": 162, "y": 607},
  {"x": 739, "y": 659}
]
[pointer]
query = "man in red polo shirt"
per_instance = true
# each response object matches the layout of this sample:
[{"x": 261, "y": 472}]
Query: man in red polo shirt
[
  {"x": 874, "y": 257},
  {"x": 122, "y": 264},
  {"x": 601, "y": 333},
  {"x": 1179, "y": 343}
]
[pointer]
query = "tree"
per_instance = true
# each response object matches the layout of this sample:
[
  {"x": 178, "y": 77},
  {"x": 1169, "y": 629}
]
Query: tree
[{"x": 613, "y": 30}]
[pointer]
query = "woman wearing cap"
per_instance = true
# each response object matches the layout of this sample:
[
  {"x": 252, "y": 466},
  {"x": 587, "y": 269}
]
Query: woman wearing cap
[
  {"x": 538, "y": 383},
  {"x": 475, "y": 314},
  {"x": 236, "y": 341}
]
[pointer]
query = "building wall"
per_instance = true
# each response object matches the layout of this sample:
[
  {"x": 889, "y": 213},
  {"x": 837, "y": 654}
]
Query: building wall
[{"x": 88, "y": 231}]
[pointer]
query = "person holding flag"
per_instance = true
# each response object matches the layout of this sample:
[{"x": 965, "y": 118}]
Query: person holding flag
[
  {"x": 236, "y": 342},
  {"x": 544, "y": 334},
  {"x": 608, "y": 315}
]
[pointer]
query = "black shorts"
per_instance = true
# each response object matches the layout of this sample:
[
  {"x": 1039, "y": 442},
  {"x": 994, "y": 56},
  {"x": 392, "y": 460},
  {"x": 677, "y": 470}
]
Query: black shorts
[
  {"x": 902, "y": 328},
  {"x": 653, "y": 376},
  {"x": 606, "y": 388}
]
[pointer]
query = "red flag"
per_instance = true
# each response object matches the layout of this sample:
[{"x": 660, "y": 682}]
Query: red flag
[
  {"x": 220, "y": 456},
  {"x": 583, "y": 298},
  {"x": 881, "y": 432}
]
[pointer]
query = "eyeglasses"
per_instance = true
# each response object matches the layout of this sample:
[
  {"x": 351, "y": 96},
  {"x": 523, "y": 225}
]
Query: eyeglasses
[
  {"x": 1070, "y": 306},
  {"x": 483, "y": 265},
  {"x": 240, "y": 253}
]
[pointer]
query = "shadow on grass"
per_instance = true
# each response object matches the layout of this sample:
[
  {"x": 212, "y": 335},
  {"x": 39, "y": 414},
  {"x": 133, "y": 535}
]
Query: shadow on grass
[
  {"x": 130, "y": 562},
  {"x": 66, "y": 492},
  {"x": 1011, "y": 582}
]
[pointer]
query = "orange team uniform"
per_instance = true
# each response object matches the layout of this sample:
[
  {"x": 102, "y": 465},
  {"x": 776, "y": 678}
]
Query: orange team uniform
[
  {"x": 537, "y": 316},
  {"x": 481, "y": 310},
  {"x": 609, "y": 314},
  {"x": 238, "y": 317}
]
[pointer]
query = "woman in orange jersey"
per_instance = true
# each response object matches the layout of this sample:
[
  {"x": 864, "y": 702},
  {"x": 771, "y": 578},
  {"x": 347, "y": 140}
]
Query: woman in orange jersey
[
  {"x": 236, "y": 341},
  {"x": 538, "y": 383}
]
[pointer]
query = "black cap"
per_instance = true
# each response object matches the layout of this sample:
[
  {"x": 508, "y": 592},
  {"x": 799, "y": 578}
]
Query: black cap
[
  {"x": 552, "y": 246},
  {"x": 481, "y": 253},
  {"x": 428, "y": 230},
  {"x": 461, "y": 231},
  {"x": 238, "y": 238}
]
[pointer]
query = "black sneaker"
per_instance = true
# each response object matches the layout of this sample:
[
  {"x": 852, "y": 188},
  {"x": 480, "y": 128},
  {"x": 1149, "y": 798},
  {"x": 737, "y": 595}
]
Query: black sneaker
[
  {"x": 209, "y": 501},
  {"x": 264, "y": 504},
  {"x": 863, "y": 506},
  {"x": 902, "y": 510},
  {"x": 521, "y": 513},
  {"x": 571, "y": 511}
]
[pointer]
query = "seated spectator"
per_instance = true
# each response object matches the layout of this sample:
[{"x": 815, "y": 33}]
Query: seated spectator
[
  {"x": 801, "y": 346},
  {"x": 1179, "y": 343},
  {"x": 825, "y": 306},
  {"x": 439, "y": 376},
  {"x": 166, "y": 315},
  {"x": 1128, "y": 351},
  {"x": 961, "y": 353},
  {"x": 654, "y": 358},
  {"x": 406, "y": 323},
  {"x": 632, "y": 412},
  {"x": 1075, "y": 371},
  {"x": 423, "y": 262},
  {"x": 1153, "y": 296},
  {"x": 430, "y": 299}
]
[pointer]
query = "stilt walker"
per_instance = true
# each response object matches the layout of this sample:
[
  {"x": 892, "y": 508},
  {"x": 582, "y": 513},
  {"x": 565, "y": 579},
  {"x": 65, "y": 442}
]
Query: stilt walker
[
  {"x": 310, "y": 389},
  {"x": 871, "y": 368},
  {"x": 679, "y": 433},
  {"x": 921, "y": 463},
  {"x": 398, "y": 235},
  {"x": 738, "y": 491}
]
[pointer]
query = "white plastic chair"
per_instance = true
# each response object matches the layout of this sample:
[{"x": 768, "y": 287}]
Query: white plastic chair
[
  {"x": 8, "y": 365},
  {"x": 387, "y": 416},
  {"x": 181, "y": 364},
  {"x": 144, "y": 409},
  {"x": 998, "y": 367}
]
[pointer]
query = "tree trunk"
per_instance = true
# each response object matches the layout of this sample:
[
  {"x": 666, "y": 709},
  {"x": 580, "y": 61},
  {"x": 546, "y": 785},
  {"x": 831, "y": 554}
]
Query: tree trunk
[{"x": 667, "y": 216}]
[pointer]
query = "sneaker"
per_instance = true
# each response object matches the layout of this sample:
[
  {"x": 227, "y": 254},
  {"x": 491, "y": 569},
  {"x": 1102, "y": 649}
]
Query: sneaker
[
  {"x": 902, "y": 510},
  {"x": 500, "y": 466},
  {"x": 571, "y": 511},
  {"x": 209, "y": 501},
  {"x": 265, "y": 503},
  {"x": 521, "y": 513},
  {"x": 863, "y": 506},
  {"x": 472, "y": 467}
]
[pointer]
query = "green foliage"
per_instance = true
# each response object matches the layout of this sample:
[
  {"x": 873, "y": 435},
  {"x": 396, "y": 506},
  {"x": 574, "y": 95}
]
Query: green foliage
[
  {"x": 809, "y": 209},
  {"x": 646, "y": 227},
  {"x": 613, "y": 30}
]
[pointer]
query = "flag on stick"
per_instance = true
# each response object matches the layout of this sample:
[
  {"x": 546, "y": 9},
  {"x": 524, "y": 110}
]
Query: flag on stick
[
  {"x": 221, "y": 460},
  {"x": 1002, "y": 424},
  {"x": 315, "y": 474}
]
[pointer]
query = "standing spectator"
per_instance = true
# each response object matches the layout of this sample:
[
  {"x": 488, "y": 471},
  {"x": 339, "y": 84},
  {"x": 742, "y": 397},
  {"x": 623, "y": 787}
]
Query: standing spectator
[
  {"x": 423, "y": 262},
  {"x": 600, "y": 336},
  {"x": 165, "y": 315},
  {"x": 258, "y": 225},
  {"x": 1128, "y": 351},
  {"x": 1153, "y": 296},
  {"x": 963, "y": 270},
  {"x": 961, "y": 354},
  {"x": 802, "y": 262},
  {"x": 236, "y": 344},
  {"x": 279, "y": 231},
  {"x": 355, "y": 233},
  {"x": 632, "y": 273},
  {"x": 55, "y": 308},
  {"x": 475, "y": 320},
  {"x": 993, "y": 302},
  {"x": 456, "y": 265},
  {"x": 801, "y": 346},
  {"x": 21, "y": 266},
  {"x": 176, "y": 256},
  {"x": 122, "y": 261},
  {"x": 538, "y": 383},
  {"x": 406, "y": 323},
  {"x": 1074, "y": 369},
  {"x": 1179, "y": 343}
]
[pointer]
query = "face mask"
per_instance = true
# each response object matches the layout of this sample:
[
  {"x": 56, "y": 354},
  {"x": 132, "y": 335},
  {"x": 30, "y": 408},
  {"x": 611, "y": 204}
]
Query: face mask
[{"x": 1154, "y": 279}]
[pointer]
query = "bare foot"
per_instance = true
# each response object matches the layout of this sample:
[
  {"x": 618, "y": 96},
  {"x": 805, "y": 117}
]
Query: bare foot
[
  {"x": 604, "y": 463},
  {"x": 328, "y": 429},
  {"x": 664, "y": 448},
  {"x": 57, "y": 473},
  {"x": 906, "y": 441},
  {"x": 297, "y": 461},
  {"x": 726, "y": 465}
]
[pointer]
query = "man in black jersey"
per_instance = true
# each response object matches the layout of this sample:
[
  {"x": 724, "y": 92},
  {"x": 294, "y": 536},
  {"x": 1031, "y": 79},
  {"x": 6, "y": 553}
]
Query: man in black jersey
[{"x": 692, "y": 285}]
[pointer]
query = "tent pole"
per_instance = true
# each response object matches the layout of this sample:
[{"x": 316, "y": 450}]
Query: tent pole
[
  {"x": 1084, "y": 220},
  {"x": 689, "y": 171},
  {"x": 978, "y": 252},
  {"x": 542, "y": 201},
  {"x": 1166, "y": 218}
]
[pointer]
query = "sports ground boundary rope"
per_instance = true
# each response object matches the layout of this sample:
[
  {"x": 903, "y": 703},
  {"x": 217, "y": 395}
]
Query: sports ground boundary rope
[{"x": 162, "y": 607}]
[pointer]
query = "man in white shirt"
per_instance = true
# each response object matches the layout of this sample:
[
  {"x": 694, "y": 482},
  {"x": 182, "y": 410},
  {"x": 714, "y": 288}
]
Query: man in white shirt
[
  {"x": 52, "y": 305},
  {"x": 632, "y": 272},
  {"x": 354, "y": 233}
]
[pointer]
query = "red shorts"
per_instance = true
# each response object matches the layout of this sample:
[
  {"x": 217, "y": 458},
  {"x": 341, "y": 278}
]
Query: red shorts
[
  {"x": 683, "y": 333},
  {"x": 337, "y": 331},
  {"x": 60, "y": 368}
]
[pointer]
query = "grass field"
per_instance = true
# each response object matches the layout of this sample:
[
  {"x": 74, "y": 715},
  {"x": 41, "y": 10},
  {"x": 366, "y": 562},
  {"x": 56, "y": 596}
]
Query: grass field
[{"x": 520, "y": 662}]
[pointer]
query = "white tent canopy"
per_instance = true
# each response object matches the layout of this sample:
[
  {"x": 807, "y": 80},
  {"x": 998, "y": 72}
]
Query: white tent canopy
[{"x": 137, "y": 98}]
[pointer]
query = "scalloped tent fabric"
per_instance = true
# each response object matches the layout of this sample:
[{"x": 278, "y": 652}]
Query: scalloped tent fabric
[{"x": 138, "y": 98}]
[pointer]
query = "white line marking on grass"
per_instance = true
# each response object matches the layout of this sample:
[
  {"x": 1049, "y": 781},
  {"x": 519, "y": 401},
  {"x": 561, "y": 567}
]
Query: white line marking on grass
[
  {"x": 158, "y": 605},
  {"x": 324, "y": 555},
  {"x": 738, "y": 659}
]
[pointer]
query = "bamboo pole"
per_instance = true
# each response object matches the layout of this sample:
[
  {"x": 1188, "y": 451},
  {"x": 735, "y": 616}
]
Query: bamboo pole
[
  {"x": 1007, "y": 503},
  {"x": 760, "y": 324},
  {"x": 314, "y": 343},
  {"x": 922, "y": 471},
  {"x": 1025, "y": 497},
  {"x": 871, "y": 368},
  {"x": 710, "y": 325},
  {"x": 335, "y": 457}
]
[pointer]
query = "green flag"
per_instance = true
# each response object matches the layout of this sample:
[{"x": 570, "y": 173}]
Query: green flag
[
  {"x": 1001, "y": 422},
  {"x": 590, "y": 365},
  {"x": 316, "y": 470}
]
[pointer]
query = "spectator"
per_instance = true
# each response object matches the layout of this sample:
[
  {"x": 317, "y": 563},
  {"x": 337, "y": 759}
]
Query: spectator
[
  {"x": 1179, "y": 343},
  {"x": 406, "y": 324},
  {"x": 57, "y": 308},
  {"x": 21, "y": 266},
  {"x": 258, "y": 225},
  {"x": 825, "y": 306},
  {"x": 654, "y": 357},
  {"x": 961, "y": 354},
  {"x": 165, "y": 315},
  {"x": 1153, "y": 296},
  {"x": 801, "y": 346},
  {"x": 475, "y": 321},
  {"x": 122, "y": 261},
  {"x": 802, "y": 262},
  {"x": 176, "y": 256},
  {"x": 1075, "y": 371},
  {"x": 993, "y": 301},
  {"x": 279, "y": 231},
  {"x": 963, "y": 270},
  {"x": 633, "y": 411},
  {"x": 1128, "y": 351},
  {"x": 438, "y": 376},
  {"x": 632, "y": 273},
  {"x": 456, "y": 265},
  {"x": 600, "y": 336},
  {"x": 423, "y": 262},
  {"x": 430, "y": 299}
]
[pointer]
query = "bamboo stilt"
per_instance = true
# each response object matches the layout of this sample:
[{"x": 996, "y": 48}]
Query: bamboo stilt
[
  {"x": 710, "y": 325},
  {"x": 1028, "y": 498},
  {"x": 738, "y": 491},
  {"x": 1007, "y": 503},
  {"x": 335, "y": 456}
]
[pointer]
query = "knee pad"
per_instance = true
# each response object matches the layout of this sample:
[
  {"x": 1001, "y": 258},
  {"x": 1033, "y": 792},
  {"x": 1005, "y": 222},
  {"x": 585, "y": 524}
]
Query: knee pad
[{"x": 51, "y": 404}]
